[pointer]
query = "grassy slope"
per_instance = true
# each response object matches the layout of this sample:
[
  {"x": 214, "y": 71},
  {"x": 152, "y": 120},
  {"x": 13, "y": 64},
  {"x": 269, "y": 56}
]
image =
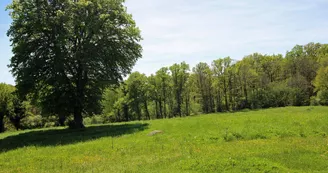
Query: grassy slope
[{"x": 274, "y": 140}]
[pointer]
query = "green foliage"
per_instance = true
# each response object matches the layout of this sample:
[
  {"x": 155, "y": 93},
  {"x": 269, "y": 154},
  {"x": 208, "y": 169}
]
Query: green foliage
[
  {"x": 66, "y": 52},
  {"x": 179, "y": 73},
  {"x": 6, "y": 103},
  {"x": 32, "y": 122},
  {"x": 20, "y": 110},
  {"x": 97, "y": 119},
  {"x": 138, "y": 94},
  {"x": 203, "y": 77},
  {"x": 282, "y": 94},
  {"x": 8, "y": 126},
  {"x": 321, "y": 80},
  {"x": 291, "y": 139},
  {"x": 256, "y": 81},
  {"x": 323, "y": 97}
]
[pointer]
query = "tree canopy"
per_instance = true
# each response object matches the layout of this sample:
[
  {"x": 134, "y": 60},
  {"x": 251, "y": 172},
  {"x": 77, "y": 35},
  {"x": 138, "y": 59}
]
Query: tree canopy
[
  {"x": 65, "y": 52},
  {"x": 257, "y": 81}
]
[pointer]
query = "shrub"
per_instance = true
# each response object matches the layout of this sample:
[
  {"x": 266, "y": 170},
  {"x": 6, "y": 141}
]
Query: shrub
[
  {"x": 314, "y": 101},
  {"x": 195, "y": 108},
  {"x": 322, "y": 97},
  {"x": 8, "y": 125},
  {"x": 96, "y": 119},
  {"x": 32, "y": 121}
]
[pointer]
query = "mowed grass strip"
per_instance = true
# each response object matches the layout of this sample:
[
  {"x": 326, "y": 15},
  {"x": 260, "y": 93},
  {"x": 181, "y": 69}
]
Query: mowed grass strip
[{"x": 292, "y": 139}]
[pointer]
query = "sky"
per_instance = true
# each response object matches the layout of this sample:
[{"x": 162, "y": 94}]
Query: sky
[{"x": 201, "y": 31}]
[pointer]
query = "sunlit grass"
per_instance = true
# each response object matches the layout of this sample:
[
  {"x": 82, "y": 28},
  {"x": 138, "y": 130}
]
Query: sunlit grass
[{"x": 273, "y": 140}]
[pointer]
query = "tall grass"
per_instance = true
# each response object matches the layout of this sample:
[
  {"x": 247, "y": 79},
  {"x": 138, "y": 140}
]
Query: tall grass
[{"x": 292, "y": 139}]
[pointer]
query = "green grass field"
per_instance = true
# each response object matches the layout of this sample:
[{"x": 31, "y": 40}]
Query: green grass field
[{"x": 273, "y": 140}]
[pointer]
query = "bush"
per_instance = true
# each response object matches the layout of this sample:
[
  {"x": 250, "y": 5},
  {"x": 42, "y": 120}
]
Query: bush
[
  {"x": 8, "y": 125},
  {"x": 96, "y": 119},
  {"x": 32, "y": 122},
  {"x": 50, "y": 121},
  {"x": 261, "y": 99},
  {"x": 49, "y": 124},
  {"x": 195, "y": 108},
  {"x": 282, "y": 94},
  {"x": 109, "y": 118},
  {"x": 278, "y": 94},
  {"x": 322, "y": 97},
  {"x": 314, "y": 101}
]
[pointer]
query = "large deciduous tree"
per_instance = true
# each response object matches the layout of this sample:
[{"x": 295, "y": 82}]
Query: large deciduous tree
[{"x": 67, "y": 51}]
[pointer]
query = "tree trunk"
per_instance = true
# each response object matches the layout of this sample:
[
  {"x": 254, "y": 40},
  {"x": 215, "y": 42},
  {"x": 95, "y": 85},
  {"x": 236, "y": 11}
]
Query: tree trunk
[
  {"x": 16, "y": 122},
  {"x": 212, "y": 104},
  {"x": 118, "y": 116},
  {"x": 78, "y": 119},
  {"x": 164, "y": 110},
  {"x": 138, "y": 112},
  {"x": 126, "y": 112},
  {"x": 79, "y": 95},
  {"x": 187, "y": 106},
  {"x": 156, "y": 110},
  {"x": 61, "y": 120},
  {"x": 180, "y": 99},
  {"x": 177, "y": 110},
  {"x": 218, "y": 102},
  {"x": 2, "y": 126},
  {"x": 161, "y": 108},
  {"x": 146, "y": 109},
  {"x": 171, "y": 108},
  {"x": 231, "y": 93},
  {"x": 246, "y": 95},
  {"x": 225, "y": 95}
]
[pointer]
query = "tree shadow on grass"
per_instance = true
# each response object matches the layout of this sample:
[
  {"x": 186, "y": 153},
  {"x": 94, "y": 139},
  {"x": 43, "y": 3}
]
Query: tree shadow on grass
[{"x": 55, "y": 137}]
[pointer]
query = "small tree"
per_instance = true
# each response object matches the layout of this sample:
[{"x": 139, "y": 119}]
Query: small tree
[
  {"x": 19, "y": 110},
  {"x": 321, "y": 85},
  {"x": 6, "y": 104}
]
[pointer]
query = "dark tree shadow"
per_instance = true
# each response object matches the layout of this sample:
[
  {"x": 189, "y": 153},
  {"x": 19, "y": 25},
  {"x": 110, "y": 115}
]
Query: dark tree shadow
[{"x": 57, "y": 137}]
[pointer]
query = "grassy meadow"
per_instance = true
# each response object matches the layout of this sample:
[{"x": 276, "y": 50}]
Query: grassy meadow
[{"x": 292, "y": 139}]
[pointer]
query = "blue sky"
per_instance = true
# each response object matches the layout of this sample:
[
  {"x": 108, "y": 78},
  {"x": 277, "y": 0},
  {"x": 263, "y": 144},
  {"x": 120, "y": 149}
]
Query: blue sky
[{"x": 201, "y": 31}]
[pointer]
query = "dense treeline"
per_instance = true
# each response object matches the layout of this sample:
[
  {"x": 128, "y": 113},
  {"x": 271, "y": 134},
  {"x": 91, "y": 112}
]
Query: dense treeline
[{"x": 299, "y": 78}]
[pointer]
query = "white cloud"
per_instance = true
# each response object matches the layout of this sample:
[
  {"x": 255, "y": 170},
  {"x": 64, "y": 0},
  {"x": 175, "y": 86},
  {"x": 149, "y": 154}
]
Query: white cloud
[{"x": 194, "y": 31}]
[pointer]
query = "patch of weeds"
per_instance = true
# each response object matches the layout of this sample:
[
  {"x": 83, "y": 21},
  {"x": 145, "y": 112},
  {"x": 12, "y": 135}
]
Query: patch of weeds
[
  {"x": 258, "y": 136},
  {"x": 286, "y": 134},
  {"x": 201, "y": 165},
  {"x": 237, "y": 135},
  {"x": 229, "y": 137},
  {"x": 309, "y": 109},
  {"x": 214, "y": 138}
]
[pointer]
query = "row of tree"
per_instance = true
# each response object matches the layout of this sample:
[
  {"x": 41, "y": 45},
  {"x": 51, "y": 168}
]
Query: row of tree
[{"x": 299, "y": 78}]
